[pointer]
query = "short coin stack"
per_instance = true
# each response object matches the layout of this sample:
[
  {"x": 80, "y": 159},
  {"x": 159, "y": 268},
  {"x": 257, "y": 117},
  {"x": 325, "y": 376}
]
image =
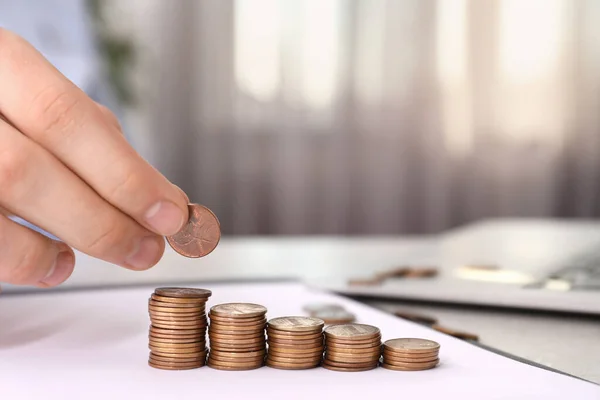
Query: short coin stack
[
  {"x": 410, "y": 354},
  {"x": 295, "y": 342},
  {"x": 352, "y": 347},
  {"x": 237, "y": 336},
  {"x": 178, "y": 328}
]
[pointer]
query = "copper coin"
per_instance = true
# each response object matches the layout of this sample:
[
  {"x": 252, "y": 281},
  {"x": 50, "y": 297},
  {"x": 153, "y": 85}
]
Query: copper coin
[
  {"x": 368, "y": 350},
  {"x": 411, "y": 345},
  {"x": 183, "y": 323},
  {"x": 169, "y": 340},
  {"x": 293, "y": 360},
  {"x": 178, "y": 292},
  {"x": 219, "y": 336},
  {"x": 421, "y": 272},
  {"x": 411, "y": 364},
  {"x": 237, "y": 320},
  {"x": 156, "y": 303},
  {"x": 178, "y": 315},
  {"x": 305, "y": 342},
  {"x": 353, "y": 344},
  {"x": 176, "y": 332},
  {"x": 279, "y": 335},
  {"x": 296, "y": 324},
  {"x": 296, "y": 350},
  {"x": 199, "y": 236},
  {"x": 313, "y": 353},
  {"x": 247, "y": 354},
  {"x": 233, "y": 331},
  {"x": 176, "y": 337},
  {"x": 168, "y": 354},
  {"x": 297, "y": 346},
  {"x": 351, "y": 358},
  {"x": 412, "y": 356},
  {"x": 392, "y": 273},
  {"x": 171, "y": 350},
  {"x": 159, "y": 343},
  {"x": 178, "y": 366},
  {"x": 237, "y": 349},
  {"x": 177, "y": 310},
  {"x": 242, "y": 310},
  {"x": 240, "y": 341},
  {"x": 351, "y": 365},
  {"x": 240, "y": 364},
  {"x": 249, "y": 325},
  {"x": 352, "y": 332},
  {"x": 219, "y": 357},
  {"x": 181, "y": 300},
  {"x": 453, "y": 332},
  {"x": 396, "y": 368},
  {"x": 348, "y": 369},
  {"x": 216, "y": 366},
  {"x": 420, "y": 318},
  {"x": 373, "y": 281},
  {"x": 174, "y": 325},
  {"x": 275, "y": 364},
  {"x": 171, "y": 359},
  {"x": 336, "y": 345}
]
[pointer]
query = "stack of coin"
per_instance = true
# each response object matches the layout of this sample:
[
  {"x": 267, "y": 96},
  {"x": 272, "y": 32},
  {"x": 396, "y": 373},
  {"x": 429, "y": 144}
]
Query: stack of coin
[
  {"x": 178, "y": 328},
  {"x": 237, "y": 336},
  {"x": 352, "y": 347},
  {"x": 295, "y": 342},
  {"x": 410, "y": 354}
]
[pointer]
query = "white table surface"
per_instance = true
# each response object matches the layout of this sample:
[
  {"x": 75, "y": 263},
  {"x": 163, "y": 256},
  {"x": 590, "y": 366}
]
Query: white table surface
[{"x": 567, "y": 343}]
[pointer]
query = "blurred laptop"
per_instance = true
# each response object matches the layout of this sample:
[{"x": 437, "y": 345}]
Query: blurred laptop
[{"x": 519, "y": 263}]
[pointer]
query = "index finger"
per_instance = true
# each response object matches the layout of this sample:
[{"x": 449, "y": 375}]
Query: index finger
[{"x": 48, "y": 108}]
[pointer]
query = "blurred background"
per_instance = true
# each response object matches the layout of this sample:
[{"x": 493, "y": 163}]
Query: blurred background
[{"x": 360, "y": 116}]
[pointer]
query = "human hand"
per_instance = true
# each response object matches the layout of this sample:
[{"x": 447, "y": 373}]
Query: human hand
[{"x": 66, "y": 167}]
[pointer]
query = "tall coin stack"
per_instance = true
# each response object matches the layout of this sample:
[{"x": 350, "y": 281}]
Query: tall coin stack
[
  {"x": 295, "y": 342},
  {"x": 352, "y": 347},
  {"x": 178, "y": 328},
  {"x": 410, "y": 354},
  {"x": 237, "y": 336}
]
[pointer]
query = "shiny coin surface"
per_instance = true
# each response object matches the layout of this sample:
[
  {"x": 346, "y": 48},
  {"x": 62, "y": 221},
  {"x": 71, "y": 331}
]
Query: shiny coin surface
[
  {"x": 302, "y": 354},
  {"x": 177, "y": 310},
  {"x": 275, "y": 364},
  {"x": 397, "y": 368},
  {"x": 352, "y": 332},
  {"x": 166, "y": 354},
  {"x": 237, "y": 321},
  {"x": 217, "y": 366},
  {"x": 178, "y": 301},
  {"x": 249, "y": 354},
  {"x": 178, "y": 292},
  {"x": 368, "y": 350},
  {"x": 425, "y": 364},
  {"x": 277, "y": 335},
  {"x": 295, "y": 360},
  {"x": 411, "y": 345},
  {"x": 296, "y": 324},
  {"x": 178, "y": 366},
  {"x": 308, "y": 342},
  {"x": 175, "y": 341},
  {"x": 361, "y": 345},
  {"x": 199, "y": 236},
  {"x": 411, "y": 356},
  {"x": 238, "y": 310},
  {"x": 171, "y": 359},
  {"x": 351, "y": 365},
  {"x": 347, "y": 369},
  {"x": 175, "y": 332}
]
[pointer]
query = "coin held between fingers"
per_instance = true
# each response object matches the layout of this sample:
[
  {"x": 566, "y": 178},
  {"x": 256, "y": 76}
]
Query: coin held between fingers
[{"x": 165, "y": 218}]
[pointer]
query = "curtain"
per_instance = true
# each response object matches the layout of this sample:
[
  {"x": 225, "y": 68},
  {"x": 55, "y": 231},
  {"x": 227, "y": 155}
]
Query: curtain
[{"x": 369, "y": 116}]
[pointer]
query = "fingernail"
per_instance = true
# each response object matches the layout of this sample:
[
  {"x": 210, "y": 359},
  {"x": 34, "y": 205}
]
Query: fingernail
[
  {"x": 61, "y": 270},
  {"x": 146, "y": 255},
  {"x": 165, "y": 218}
]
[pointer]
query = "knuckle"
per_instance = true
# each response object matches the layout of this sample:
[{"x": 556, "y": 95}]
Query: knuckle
[
  {"x": 125, "y": 188},
  {"x": 55, "y": 110},
  {"x": 13, "y": 170},
  {"x": 107, "y": 238}
]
